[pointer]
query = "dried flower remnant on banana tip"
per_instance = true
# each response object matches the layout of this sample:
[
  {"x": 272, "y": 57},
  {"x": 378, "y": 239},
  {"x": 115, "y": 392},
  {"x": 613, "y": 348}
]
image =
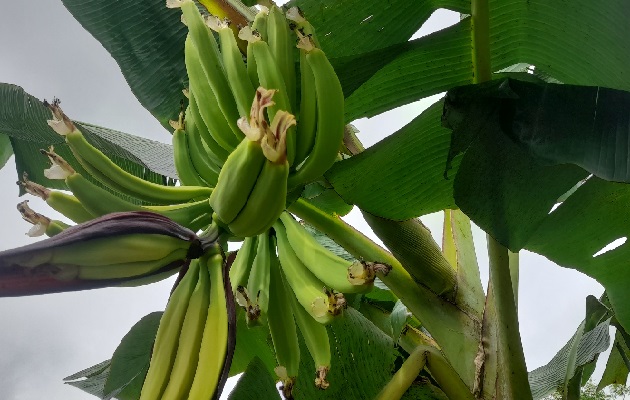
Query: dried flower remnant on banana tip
[
  {"x": 39, "y": 221},
  {"x": 59, "y": 168},
  {"x": 33, "y": 188},
  {"x": 60, "y": 122},
  {"x": 256, "y": 127},
  {"x": 361, "y": 272}
]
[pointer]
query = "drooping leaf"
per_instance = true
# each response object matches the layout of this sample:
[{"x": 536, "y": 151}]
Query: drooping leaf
[
  {"x": 147, "y": 41},
  {"x": 6, "y": 150},
  {"x": 362, "y": 361},
  {"x": 91, "y": 380},
  {"x": 23, "y": 119},
  {"x": 406, "y": 171},
  {"x": 590, "y": 339},
  {"x": 594, "y": 216},
  {"x": 256, "y": 383},
  {"x": 498, "y": 184},
  {"x": 616, "y": 372},
  {"x": 557, "y": 124},
  {"x": 130, "y": 361}
]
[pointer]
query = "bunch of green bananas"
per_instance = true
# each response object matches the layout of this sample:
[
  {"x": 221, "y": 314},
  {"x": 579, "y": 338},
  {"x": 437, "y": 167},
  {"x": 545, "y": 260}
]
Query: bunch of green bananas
[
  {"x": 255, "y": 149},
  {"x": 285, "y": 278},
  {"x": 189, "y": 359}
]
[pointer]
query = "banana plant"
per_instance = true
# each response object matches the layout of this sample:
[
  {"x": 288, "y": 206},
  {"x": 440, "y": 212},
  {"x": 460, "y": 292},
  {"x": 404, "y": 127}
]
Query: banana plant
[{"x": 530, "y": 143}]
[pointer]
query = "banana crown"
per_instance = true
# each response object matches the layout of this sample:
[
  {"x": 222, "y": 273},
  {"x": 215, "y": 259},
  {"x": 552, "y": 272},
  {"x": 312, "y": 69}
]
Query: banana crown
[
  {"x": 40, "y": 222},
  {"x": 59, "y": 169}
]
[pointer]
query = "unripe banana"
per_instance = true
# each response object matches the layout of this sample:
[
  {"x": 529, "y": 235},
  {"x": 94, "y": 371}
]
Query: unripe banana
[
  {"x": 266, "y": 201},
  {"x": 260, "y": 26},
  {"x": 99, "y": 202},
  {"x": 269, "y": 193},
  {"x": 185, "y": 364},
  {"x": 65, "y": 204},
  {"x": 237, "y": 179},
  {"x": 235, "y": 69},
  {"x": 282, "y": 328},
  {"x": 200, "y": 155},
  {"x": 270, "y": 76},
  {"x": 258, "y": 283},
  {"x": 186, "y": 171},
  {"x": 110, "y": 174},
  {"x": 321, "y": 303},
  {"x": 330, "y": 117},
  {"x": 131, "y": 248},
  {"x": 206, "y": 101},
  {"x": 214, "y": 343},
  {"x": 339, "y": 274},
  {"x": 282, "y": 45},
  {"x": 242, "y": 265},
  {"x": 129, "y": 269},
  {"x": 210, "y": 60},
  {"x": 307, "y": 122},
  {"x": 316, "y": 339},
  {"x": 218, "y": 154},
  {"x": 167, "y": 338}
]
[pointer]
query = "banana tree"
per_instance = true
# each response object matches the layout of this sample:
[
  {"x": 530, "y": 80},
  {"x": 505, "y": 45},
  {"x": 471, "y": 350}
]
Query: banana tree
[{"x": 529, "y": 142}]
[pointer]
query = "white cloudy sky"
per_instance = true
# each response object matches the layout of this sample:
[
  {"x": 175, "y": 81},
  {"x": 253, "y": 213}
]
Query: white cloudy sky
[{"x": 45, "y": 338}]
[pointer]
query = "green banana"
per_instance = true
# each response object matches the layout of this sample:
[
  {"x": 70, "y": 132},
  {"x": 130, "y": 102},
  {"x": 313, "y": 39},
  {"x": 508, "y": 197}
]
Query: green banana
[
  {"x": 239, "y": 271},
  {"x": 214, "y": 151},
  {"x": 330, "y": 117},
  {"x": 186, "y": 171},
  {"x": 259, "y": 26},
  {"x": 267, "y": 199},
  {"x": 282, "y": 328},
  {"x": 211, "y": 64},
  {"x": 269, "y": 73},
  {"x": 130, "y": 248},
  {"x": 99, "y": 202},
  {"x": 167, "y": 338},
  {"x": 129, "y": 269},
  {"x": 213, "y": 349},
  {"x": 185, "y": 364},
  {"x": 316, "y": 339},
  {"x": 206, "y": 103},
  {"x": 337, "y": 273},
  {"x": 258, "y": 283},
  {"x": 200, "y": 155},
  {"x": 235, "y": 69},
  {"x": 65, "y": 204},
  {"x": 265, "y": 203},
  {"x": 282, "y": 46},
  {"x": 110, "y": 174},
  {"x": 236, "y": 180},
  {"x": 307, "y": 121},
  {"x": 321, "y": 303}
]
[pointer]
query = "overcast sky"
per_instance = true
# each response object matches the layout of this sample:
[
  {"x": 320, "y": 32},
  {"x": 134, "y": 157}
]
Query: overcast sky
[{"x": 45, "y": 338}]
